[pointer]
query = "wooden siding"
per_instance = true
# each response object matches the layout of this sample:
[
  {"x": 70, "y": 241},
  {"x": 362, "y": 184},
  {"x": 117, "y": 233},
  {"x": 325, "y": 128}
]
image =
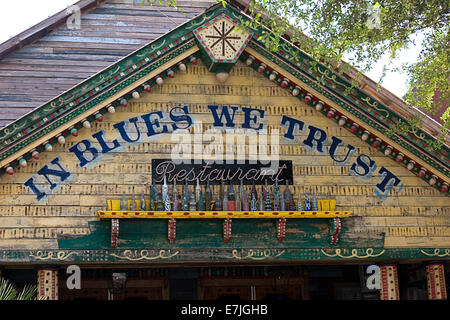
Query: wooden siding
[
  {"x": 418, "y": 216},
  {"x": 63, "y": 58}
]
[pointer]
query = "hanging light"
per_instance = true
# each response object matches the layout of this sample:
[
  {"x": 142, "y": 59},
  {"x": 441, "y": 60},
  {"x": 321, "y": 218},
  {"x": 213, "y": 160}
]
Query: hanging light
[
  {"x": 376, "y": 143},
  {"x": 74, "y": 132},
  {"x": 319, "y": 105},
  {"x": 147, "y": 87},
  {"x": 433, "y": 180},
  {"x": 135, "y": 94},
  {"x": 249, "y": 60},
  {"x": 342, "y": 120},
  {"x": 61, "y": 139},
  {"x": 261, "y": 68},
  {"x": 422, "y": 172},
  {"x": 123, "y": 102},
  {"x": 170, "y": 73},
  {"x": 35, "y": 155},
  {"x": 193, "y": 60},
  {"x": 159, "y": 80},
  {"x": 331, "y": 113},
  {"x": 98, "y": 117},
  {"x": 284, "y": 83},
  {"x": 48, "y": 147},
  {"x": 86, "y": 124},
  {"x": 111, "y": 109},
  {"x": 354, "y": 128},
  {"x": 296, "y": 91},
  {"x": 399, "y": 157},
  {"x": 410, "y": 165},
  {"x": 10, "y": 170},
  {"x": 273, "y": 75},
  {"x": 308, "y": 98},
  {"x": 181, "y": 67},
  {"x": 444, "y": 187},
  {"x": 388, "y": 150},
  {"x": 365, "y": 135},
  {"x": 222, "y": 77},
  {"x": 22, "y": 162}
]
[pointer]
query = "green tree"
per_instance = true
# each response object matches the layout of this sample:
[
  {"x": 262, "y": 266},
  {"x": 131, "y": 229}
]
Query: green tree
[
  {"x": 365, "y": 31},
  {"x": 9, "y": 291}
]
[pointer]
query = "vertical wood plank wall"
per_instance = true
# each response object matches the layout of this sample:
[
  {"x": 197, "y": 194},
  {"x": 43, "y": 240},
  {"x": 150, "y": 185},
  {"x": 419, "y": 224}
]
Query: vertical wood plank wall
[{"x": 419, "y": 216}]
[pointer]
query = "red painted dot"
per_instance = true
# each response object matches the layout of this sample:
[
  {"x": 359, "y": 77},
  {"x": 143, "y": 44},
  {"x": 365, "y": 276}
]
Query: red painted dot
[
  {"x": 186, "y": 213},
  {"x": 302, "y": 212},
  {"x": 215, "y": 213},
  {"x": 149, "y": 213},
  {"x": 246, "y": 213},
  {"x": 230, "y": 213},
  {"x": 136, "y": 213},
  {"x": 202, "y": 213},
  {"x": 113, "y": 213},
  {"x": 261, "y": 213},
  {"x": 314, "y": 213},
  {"x": 274, "y": 213},
  {"x": 125, "y": 213},
  {"x": 169, "y": 213},
  {"x": 326, "y": 212}
]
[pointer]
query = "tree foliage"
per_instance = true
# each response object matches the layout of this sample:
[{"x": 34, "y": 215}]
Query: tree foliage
[{"x": 8, "y": 291}]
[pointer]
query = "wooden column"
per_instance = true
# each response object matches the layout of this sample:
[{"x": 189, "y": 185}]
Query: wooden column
[
  {"x": 389, "y": 282},
  {"x": 436, "y": 281},
  {"x": 48, "y": 284}
]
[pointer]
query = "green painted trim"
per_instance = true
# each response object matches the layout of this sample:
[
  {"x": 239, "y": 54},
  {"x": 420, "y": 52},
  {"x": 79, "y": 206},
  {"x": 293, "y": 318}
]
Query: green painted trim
[
  {"x": 242, "y": 255},
  {"x": 96, "y": 100}
]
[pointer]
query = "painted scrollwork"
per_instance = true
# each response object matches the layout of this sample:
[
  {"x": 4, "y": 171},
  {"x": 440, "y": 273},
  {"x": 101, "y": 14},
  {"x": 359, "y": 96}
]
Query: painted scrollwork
[
  {"x": 255, "y": 254},
  {"x": 437, "y": 253},
  {"x": 51, "y": 255},
  {"x": 369, "y": 253},
  {"x": 138, "y": 255}
]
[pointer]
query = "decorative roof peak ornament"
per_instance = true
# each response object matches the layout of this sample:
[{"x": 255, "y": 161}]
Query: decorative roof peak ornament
[{"x": 222, "y": 42}]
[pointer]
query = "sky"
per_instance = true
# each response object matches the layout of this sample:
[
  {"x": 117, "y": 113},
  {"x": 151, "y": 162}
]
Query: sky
[{"x": 17, "y": 16}]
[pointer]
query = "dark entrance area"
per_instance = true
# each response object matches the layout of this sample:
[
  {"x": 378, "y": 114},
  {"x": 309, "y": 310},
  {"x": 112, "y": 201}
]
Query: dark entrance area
[
  {"x": 228, "y": 283},
  {"x": 224, "y": 283}
]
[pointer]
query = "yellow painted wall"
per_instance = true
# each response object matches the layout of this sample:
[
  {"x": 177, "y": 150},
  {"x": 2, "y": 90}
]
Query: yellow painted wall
[{"x": 418, "y": 216}]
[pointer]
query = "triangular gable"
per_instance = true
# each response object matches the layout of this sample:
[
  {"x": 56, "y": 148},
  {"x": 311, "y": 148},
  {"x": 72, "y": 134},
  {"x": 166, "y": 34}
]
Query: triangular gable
[{"x": 318, "y": 86}]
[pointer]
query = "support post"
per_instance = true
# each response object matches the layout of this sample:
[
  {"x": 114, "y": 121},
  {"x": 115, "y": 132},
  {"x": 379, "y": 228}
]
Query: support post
[
  {"x": 389, "y": 282},
  {"x": 47, "y": 288},
  {"x": 436, "y": 281}
]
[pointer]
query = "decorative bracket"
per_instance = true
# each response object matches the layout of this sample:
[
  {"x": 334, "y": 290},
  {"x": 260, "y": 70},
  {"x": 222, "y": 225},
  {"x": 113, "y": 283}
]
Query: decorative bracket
[
  {"x": 281, "y": 228},
  {"x": 114, "y": 233},
  {"x": 227, "y": 230},
  {"x": 171, "y": 232},
  {"x": 221, "y": 46},
  {"x": 335, "y": 230}
]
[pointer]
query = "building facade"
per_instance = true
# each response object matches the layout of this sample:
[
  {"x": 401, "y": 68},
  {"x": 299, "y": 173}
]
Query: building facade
[{"x": 190, "y": 162}]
